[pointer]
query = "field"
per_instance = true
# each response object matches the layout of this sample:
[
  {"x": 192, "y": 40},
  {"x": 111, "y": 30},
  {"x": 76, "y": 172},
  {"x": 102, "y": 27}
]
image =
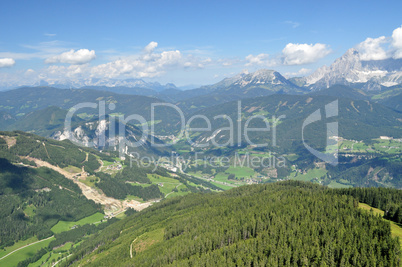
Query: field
[
  {"x": 223, "y": 177},
  {"x": 166, "y": 184},
  {"x": 62, "y": 226},
  {"x": 197, "y": 174},
  {"x": 241, "y": 172},
  {"x": 24, "y": 253},
  {"x": 30, "y": 210},
  {"x": 379, "y": 145},
  {"x": 335, "y": 184},
  {"x": 51, "y": 257},
  {"x": 72, "y": 169},
  {"x": 48, "y": 259},
  {"x": 146, "y": 240},
  {"x": 65, "y": 247},
  {"x": 17, "y": 245},
  {"x": 112, "y": 167},
  {"x": 224, "y": 187},
  {"x": 310, "y": 175},
  {"x": 89, "y": 181},
  {"x": 395, "y": 229}
]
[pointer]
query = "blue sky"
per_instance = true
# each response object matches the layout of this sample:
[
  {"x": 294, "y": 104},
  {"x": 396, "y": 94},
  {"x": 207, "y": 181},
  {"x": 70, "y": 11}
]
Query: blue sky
[{"x": 184, "y": 42}]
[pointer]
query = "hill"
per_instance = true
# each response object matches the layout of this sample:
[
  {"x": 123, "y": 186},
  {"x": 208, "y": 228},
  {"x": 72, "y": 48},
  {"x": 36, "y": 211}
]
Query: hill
[
  {"x": 382, "y": 171},
  {"x": 57, "y": 192},
  {"x": 244, "y": 85},
  {"x": 357, "y": 120},
  {"x": 33, "y": 199},
  {"x": 117, "y": 184},
  {"x": 6, "y": 119},
  {"x": 42, "y": 122},
  {"x": 393, "y": 102},
  {"x": 95, "y": 133},
  {"x": 22, "y": 101},
  {"x": 281, "y": 224},
  {"x": 343, "y": 92}
]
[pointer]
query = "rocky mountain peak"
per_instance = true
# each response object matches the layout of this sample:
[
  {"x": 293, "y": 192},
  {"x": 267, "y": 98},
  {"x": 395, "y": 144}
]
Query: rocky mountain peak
[
  {"x": 259, "y": 77},
  {"x": 349, "y": 69}
]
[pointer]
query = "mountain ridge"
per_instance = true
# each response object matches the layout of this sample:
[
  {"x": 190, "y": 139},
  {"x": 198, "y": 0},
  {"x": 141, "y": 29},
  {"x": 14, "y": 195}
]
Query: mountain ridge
[{"x": 350, "y": 69}]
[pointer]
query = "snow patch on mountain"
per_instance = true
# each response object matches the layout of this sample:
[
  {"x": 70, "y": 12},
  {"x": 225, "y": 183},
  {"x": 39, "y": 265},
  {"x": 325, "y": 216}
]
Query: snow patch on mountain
[
  {"x": 259, "y": 77},
  {"x": 350, "y": 68},
  {"x": 67, "y": 83}
]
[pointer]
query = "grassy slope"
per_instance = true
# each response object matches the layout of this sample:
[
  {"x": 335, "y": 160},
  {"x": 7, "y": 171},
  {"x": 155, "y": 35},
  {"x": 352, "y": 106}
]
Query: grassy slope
[
  {"x": 17, "y": 245},
  {"x": 395, "y": 229},
  {"x": 24, "y": 253},
  {"x": 62, "y": 226},
  {"x": 311, "y": 174}
]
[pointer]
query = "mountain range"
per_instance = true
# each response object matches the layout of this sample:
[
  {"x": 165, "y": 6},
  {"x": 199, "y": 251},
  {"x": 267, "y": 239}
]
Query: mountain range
[
  {"x": 84, "y": 200},
  {"x": 350, "y": 69},
  {"x": 96, "y": 82}
]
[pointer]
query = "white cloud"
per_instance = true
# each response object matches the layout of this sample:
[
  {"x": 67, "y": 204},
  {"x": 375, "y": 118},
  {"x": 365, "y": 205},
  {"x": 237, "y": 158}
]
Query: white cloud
[
  {"x": 72, "y": 71},
  {"x": 81, "y": 56},
  {"x": 298, "y": 54},
  {"x": 292, "y": 54},
  {"x": 49, "y": 34},
  {"x": 382, "y": 47},
  {"x": 6, "y": 62},
  {"x": 149, "y": 64},
  {"x": 259, "y": 60},
  {"x": 150, "y": 47},
  {"x": 397, "y": 42},
  {"x": 116, "y": 68},
  {"x": 141, "y": 65},
  {"x": 372, "y": 49}
]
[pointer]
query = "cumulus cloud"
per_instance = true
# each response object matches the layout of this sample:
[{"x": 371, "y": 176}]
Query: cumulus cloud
[
  {"x": 146, "y": 65},
  {"x": 298, "y": 54},
  {"x": 372, "y": 49},
  {"x": 382, "y": 47},
  {"x": 260, "y": 60},
  {"x": 149, "y": 64},
  {"x": 397, "y": 42},
  {"x": 150, "y": 47},
  {"x": 6, "y": 62},
  {"x": 292, "y": 54},
  {"x": 81, "y": 56}
]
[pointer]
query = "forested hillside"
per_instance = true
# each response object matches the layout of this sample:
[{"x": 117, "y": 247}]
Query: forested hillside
[
  {"x": 357, "y": 120},
  {"x": 282, "y": 224},
  {"x": 34, "y": 200},
  {"x": 22, "y": 101}
]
